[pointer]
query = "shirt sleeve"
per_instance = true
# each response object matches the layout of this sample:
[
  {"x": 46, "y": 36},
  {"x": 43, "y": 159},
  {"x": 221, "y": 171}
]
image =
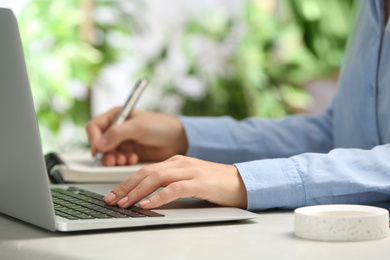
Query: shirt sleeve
[
  {"x": 226, "y": 140},
  {"x": 343, "y": 176},
  {"x": 292, "y": 162}
]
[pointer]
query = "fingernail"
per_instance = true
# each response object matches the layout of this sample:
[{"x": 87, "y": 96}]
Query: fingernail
[
  {"x": 109, "y": 197},
  {"x": 123, "y": 201},
  {"x": 144, "y": 203}
]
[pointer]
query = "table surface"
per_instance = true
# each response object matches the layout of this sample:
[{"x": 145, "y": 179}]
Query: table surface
[{"x": 271, "y": 236}]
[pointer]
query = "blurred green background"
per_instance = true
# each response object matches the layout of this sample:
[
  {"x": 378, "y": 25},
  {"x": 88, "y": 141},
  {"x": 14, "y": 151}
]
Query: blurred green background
[{"x": 268, "y": 51}]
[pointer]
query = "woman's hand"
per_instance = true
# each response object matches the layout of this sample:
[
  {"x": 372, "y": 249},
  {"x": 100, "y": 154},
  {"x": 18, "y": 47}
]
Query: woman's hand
[
  {"x": 182, "y": 177},
  {"x": 145, "y": 136}
]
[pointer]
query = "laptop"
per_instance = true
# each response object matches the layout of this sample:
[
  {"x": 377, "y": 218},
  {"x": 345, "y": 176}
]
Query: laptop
[{"x": 25, "y": 190}]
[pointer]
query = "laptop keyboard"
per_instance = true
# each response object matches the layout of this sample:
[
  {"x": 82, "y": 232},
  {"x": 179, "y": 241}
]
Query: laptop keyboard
[{"x": 74, "y": 203}]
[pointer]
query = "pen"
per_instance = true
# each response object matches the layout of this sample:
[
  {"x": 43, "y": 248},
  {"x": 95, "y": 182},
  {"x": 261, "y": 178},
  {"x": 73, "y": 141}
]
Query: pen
[{"x": 126, "y": 110}]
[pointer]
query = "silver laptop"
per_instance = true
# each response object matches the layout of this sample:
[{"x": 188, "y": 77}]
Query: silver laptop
[{"x": 25, "y": 190}]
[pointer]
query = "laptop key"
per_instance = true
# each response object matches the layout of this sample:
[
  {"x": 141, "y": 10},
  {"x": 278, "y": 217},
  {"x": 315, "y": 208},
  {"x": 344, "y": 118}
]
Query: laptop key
[
  {"x": 147, "y": 212},
  {"x": 117, "y": 215},
  {"x": 83, "y": 216}
]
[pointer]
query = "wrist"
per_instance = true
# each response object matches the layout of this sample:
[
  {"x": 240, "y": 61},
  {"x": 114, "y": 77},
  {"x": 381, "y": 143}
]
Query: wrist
[{"x": 181, "y": 141}]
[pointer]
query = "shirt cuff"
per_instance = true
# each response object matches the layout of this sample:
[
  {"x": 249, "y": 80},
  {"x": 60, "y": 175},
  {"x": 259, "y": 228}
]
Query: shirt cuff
[{"x": 272, "y": 183}]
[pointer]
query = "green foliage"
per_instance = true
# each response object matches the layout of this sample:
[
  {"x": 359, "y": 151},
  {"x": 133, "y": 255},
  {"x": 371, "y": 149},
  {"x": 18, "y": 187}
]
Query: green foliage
[
  {"x": 325, "y": 25},
  {"x": 63, "y": 66},
  {"x": 274, "y": 53},
  {"x": 253, "y": 64}
]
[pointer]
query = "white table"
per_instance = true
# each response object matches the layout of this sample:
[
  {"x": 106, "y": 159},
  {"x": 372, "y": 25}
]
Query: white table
[{"x": 268, "y": 237}]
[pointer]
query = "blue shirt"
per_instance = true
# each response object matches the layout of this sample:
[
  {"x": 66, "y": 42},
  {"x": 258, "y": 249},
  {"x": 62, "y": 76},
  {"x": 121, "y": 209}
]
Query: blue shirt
[{"x": 342, "y": 156}]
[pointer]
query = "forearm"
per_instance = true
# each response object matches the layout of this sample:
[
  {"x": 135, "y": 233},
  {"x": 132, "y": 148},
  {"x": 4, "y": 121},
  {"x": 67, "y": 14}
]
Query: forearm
[{"x": 226, "y": 140}]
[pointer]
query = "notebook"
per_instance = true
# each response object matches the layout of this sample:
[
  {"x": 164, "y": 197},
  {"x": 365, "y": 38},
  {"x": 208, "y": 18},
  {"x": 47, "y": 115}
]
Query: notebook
[
  {"x": 25, "y": 190},
  {"x": 77, "y": 167}
]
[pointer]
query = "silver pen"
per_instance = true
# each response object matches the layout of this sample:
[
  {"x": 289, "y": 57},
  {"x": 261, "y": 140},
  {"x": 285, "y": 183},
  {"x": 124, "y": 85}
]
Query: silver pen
[{"x": 126, "y": 110}]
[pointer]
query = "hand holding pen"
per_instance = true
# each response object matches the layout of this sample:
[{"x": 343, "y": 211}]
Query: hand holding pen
[{"x": 126, "y": 110}]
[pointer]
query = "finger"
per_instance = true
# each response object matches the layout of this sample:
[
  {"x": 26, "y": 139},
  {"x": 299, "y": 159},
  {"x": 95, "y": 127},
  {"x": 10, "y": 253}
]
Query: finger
[
  {"x": 155, "y": 180},
  {"x": 175, "y": 190},
  {"x": 109, "y": 159},
  {"x": 120, "y": 159},
  {"x": 132, "y": 158},
  {"x": 129, "y": 151},
  {"x": 126, "y": 186},
  {"x": 115, "y": 158},
  {"x": 99, "y": 124}
]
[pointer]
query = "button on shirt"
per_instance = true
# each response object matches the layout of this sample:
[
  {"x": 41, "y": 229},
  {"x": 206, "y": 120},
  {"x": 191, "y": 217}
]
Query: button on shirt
[{"x": 342, "y": 156}]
